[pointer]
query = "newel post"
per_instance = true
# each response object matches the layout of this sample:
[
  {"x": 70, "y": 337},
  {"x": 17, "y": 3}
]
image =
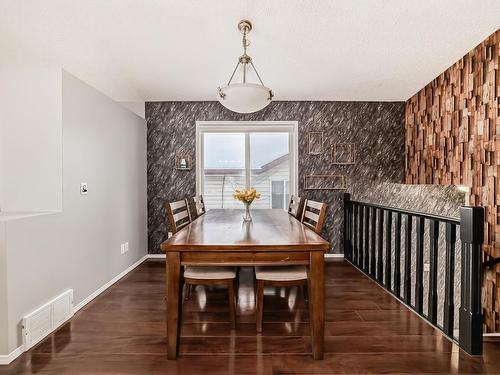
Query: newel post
[
  {"x": 347, "y": 226},
  {"x": 471, "y": 315}
]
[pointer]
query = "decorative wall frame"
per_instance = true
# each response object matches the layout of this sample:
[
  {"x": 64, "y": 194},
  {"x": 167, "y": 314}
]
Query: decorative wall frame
[
  {"x": 344, "y": 153},
  {"x": 315, "y": 143},
  {"x": 183, "y": 162},
  {"x": 325, "y": 182}
]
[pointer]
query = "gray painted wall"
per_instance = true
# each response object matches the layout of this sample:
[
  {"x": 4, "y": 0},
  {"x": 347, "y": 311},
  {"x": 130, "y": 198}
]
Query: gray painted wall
[
  {"x": 30, "y": 139},
  {"x": 104, "y": 145},
  {"x": 376, "y": 128}
]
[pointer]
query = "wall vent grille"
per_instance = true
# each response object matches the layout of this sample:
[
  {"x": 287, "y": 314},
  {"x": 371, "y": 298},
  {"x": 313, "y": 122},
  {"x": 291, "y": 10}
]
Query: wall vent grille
[{"x": 47, "y": 318}]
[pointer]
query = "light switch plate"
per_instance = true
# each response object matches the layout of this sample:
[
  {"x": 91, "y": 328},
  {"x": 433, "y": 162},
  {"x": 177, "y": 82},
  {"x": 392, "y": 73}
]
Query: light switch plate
[
  {"x": 83, "y": 188},
  {"x": 427, "y": 267}
]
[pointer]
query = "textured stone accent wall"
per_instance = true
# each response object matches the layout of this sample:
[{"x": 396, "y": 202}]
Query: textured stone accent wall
[
  {"x": 453, "y": 137},
  {"x": 377, "y": 130}
]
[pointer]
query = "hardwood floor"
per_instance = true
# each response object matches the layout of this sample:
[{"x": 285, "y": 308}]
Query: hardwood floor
[{"x": 367, "y": 331}]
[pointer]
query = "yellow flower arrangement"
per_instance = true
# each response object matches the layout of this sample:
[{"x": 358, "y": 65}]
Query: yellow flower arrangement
[{"x": 246, "y": 196}]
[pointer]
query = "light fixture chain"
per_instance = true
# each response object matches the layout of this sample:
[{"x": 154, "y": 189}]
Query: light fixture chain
[{"x": 245, "y": 41}]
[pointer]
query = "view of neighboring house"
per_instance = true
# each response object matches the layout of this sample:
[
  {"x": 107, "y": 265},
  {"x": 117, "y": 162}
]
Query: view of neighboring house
[{"x": 271, "y": 180}]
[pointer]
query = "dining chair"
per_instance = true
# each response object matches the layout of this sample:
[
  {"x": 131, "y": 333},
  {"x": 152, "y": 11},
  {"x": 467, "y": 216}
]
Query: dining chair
[
  {"x": 199, "y": 205},
  {"x": 296, "y": 206},
  {"x": 313, "y": 217},
  {"x": 178, "y": 216}
]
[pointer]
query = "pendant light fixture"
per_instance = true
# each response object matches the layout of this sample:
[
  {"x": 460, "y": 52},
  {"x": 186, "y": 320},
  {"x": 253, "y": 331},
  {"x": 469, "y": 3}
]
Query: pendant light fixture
[{"x": 245, "y": 97}]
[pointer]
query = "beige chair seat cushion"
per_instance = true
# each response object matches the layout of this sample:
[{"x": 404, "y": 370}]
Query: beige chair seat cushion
[
  {"x": 210, "y": 272},
  {"x": 283, "y": 273}
]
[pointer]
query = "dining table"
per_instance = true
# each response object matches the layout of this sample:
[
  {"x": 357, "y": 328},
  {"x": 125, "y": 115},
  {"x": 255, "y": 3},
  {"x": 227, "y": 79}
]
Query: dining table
[{"x": 221, "y": 237}]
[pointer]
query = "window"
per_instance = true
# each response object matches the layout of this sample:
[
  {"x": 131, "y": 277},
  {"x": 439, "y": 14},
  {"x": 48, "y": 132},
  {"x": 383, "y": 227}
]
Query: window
[
  {"x": 279, "y": 194},
  {"x": 239, "y": 155}
]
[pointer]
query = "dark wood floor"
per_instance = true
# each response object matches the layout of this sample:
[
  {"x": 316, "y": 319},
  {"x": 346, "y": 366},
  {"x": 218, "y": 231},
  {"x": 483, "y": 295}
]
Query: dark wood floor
[{"x": 367, "y": 331}]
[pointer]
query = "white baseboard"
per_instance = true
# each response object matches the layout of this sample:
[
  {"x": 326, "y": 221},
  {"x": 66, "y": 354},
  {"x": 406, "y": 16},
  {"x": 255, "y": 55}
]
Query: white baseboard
[
  {"x": 109, "y": 283},
  {"x": 6, "y": 359},
  {"x": 334, "y": 256},
  {"x": 328, "y": 255},
  {"x": 156, "y": 256},
  {"x": 495, "y": 334}
]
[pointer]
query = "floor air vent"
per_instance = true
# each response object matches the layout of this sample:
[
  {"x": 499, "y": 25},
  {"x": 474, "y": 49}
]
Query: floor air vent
[{"x": 47, "y": 318}]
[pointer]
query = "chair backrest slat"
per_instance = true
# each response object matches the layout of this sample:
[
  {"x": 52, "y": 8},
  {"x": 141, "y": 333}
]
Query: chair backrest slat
[
  {"x": 199, "y": 205},
  {"x": 178, "y": 215},
  {"x": 313, "y": 204},
  {"x": 178, "y": 204},
  {"x": 314, "y": 215},
  {"x": 296, "y": 206},
  {"x": 311, "y": 215}
]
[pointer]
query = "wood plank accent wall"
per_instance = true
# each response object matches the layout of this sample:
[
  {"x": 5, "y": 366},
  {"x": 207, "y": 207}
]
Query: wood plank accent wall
[{"x": 453, "y": 137}]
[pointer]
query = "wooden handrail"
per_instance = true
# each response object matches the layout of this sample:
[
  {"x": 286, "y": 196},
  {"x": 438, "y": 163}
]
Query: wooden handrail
[{"x": 444, "y": 219}]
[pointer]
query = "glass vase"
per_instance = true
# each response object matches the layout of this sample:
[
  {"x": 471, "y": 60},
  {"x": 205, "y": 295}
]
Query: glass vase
[{"x": 247, "y": 216}]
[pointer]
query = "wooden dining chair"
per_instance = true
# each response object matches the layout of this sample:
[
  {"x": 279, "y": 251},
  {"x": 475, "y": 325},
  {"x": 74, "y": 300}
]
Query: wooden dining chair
[
  {"x": 296, "y": 207},
  {"x": 313, "y": 217},
  {"x": 178, "y": 217},
  {"x": 199, "y": 205}
]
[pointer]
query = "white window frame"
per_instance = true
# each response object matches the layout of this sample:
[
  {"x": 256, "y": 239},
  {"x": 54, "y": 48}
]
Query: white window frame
[{"x": 290, "y": 127}]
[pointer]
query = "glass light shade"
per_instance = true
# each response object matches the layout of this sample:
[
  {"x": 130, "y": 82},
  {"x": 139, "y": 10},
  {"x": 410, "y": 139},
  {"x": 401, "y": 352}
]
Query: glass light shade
[{"x": 245, "y": 97}]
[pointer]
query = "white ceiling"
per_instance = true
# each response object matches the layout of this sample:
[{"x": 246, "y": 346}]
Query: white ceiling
[{"x": 137, "y": 50}]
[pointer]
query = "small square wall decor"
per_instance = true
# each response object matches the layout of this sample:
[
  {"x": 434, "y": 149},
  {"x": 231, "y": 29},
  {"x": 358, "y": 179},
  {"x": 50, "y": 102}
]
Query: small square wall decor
[
  {"x": 344, "y": 153},
  {"x": 183, "y": 162},
  {"x": 315, "y": 143},
  {"x": 325, "y": 182}
]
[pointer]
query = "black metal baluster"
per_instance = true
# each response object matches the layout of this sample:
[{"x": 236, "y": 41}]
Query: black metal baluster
[
  {"x": 355, "y": 234},
  {"x": 449, "y": 283},
  {"x": 361, "y": 231},
  {"x": 367, "y": 236},
  {"x": 407, "y": 275},
  {"x": 419, "y": 277},
  {"x": 351, "y": 223},
  {"x": 433, "y": 260},
  {"x": 388, "y": 251},
  {"x": 347, "y": 228},
  {"x": 364, "y": 243},
  {"x": 471, "y": 317},
  {"x": 397, "y": 256},
  {"x": 372, "y": 241},
  {"x": 380, "y": 245}
]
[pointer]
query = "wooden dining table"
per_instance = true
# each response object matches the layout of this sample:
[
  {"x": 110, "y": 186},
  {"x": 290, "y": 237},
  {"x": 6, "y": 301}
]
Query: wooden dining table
[{"x": 220, "y": 237}]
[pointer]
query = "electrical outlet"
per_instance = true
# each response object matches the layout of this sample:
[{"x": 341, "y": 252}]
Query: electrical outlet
[
  {"x": 427, "y": 267},
  {"x": 122, "y": 248},
  {"x": 126, "y": 247}
]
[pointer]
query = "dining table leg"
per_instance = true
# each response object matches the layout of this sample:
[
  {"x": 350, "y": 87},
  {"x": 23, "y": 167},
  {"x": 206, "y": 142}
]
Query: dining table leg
[
  {"x": 173, "y": 304},
  {"x": 316, "y": 286}
]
